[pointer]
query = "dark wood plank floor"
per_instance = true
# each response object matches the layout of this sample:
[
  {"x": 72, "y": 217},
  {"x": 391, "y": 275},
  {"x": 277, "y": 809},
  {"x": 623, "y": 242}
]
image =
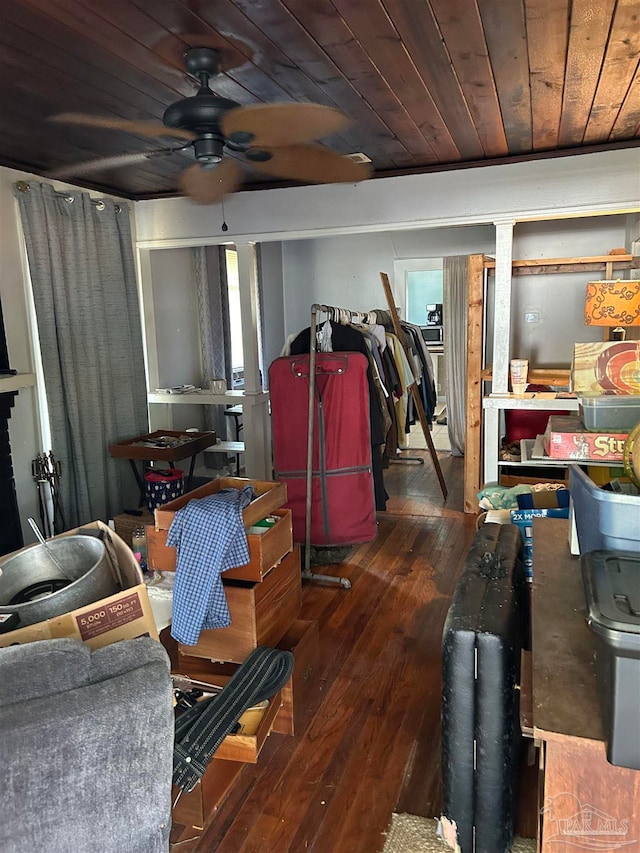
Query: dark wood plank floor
[{"x": 369, "y": 744}]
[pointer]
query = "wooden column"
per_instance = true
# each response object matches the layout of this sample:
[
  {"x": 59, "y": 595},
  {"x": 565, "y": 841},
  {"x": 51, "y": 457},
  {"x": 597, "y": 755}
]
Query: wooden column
[
  {"x": 473, "y": 404},
  {"x": 256, "y": 425},
  {"x": 502, "y": 306}
]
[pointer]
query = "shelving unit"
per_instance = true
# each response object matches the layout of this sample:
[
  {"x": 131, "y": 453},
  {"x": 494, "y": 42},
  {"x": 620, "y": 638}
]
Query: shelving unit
[
  {"x": 483, "y": 411},
  {"x": 16, "y": 382},
  {"x": 531, "y": 456},
  {"x": 257, "y": 455}
]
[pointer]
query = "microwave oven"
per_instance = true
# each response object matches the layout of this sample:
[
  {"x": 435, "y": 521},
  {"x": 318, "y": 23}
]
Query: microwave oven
[{"x": 432, "y": 335}]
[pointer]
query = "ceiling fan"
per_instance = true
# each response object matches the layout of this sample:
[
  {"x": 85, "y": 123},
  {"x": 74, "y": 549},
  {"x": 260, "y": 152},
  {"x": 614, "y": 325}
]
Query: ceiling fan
[{"x": 272, "y": 138}]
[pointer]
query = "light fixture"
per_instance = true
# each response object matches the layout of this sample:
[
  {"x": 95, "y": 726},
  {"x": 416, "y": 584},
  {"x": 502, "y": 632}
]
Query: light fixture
[{"x": 613, "y": 303}]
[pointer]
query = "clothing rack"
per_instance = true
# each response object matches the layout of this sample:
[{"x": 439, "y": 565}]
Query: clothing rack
[
  {"x": 395, "y": 319},
  {"x": 339, "y": 314}
]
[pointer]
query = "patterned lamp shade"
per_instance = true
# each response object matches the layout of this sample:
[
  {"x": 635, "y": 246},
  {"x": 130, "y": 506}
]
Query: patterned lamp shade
[{"x": 612, "y": 303}]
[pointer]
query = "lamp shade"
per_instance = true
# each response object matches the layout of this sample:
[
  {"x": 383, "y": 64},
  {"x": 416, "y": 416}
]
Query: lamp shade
[{"x": 612, "y": 303}]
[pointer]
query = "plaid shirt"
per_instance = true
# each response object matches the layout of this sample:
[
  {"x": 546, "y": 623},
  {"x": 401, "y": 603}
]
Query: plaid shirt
[{"x": 210, "y": 538}]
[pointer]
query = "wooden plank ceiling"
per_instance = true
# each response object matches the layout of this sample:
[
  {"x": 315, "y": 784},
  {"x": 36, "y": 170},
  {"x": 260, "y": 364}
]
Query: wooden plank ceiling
[{"x": 429, "y": 84}]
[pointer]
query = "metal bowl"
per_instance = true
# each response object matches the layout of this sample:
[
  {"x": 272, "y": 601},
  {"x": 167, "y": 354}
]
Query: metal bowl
[{"x": 32, "y": 586}]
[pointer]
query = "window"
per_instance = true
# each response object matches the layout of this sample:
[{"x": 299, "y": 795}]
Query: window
[
  {"x": 235, "y": 322},
  {"x": 233, "y": 285},
  {"x": 418, "y": 283}
]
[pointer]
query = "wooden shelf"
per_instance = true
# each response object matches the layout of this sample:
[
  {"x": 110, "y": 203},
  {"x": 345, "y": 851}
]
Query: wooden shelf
[
  {"x": 539, "y": 376},
  {"x": 205, "y": 398},
  {"x": 509, "y": 401},
  {"x": 16, "y": 382},
  {"x": 547, "y": 266}
]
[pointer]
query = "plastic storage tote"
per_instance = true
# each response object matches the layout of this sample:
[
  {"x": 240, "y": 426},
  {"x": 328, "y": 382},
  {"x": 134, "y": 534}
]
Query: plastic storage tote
[
  {"x": 612, "y": 587},
  {"x": 603, "y": 519},
  {"x": 609, "y": 412}
]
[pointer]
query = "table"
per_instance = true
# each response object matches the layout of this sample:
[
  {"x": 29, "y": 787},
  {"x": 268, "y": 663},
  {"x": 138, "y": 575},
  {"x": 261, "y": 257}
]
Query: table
[
  {"x": 150, "y": 448},
  {"x": 587, "y": 803},
  {"x": 235, "y": 412}
]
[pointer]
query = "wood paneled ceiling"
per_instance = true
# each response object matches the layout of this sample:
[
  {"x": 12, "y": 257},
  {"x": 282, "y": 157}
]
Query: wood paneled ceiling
[{"x": 429, "y": 84}]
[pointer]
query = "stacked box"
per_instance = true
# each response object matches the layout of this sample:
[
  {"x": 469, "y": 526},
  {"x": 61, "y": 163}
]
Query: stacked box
[
  {"x": 523, "y": 518},
  {"x": 567, "y": 438}
]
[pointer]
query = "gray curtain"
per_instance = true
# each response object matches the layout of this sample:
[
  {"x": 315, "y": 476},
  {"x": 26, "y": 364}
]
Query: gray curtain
[
  {"x": 209, "y": 268},
  {"x": 455, "y": 348},
  {"x": 84, "y": 287}
]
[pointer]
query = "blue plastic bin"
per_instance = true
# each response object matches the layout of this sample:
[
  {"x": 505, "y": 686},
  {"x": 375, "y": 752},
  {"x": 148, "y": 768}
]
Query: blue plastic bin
[{"x": 604, "y": 520}]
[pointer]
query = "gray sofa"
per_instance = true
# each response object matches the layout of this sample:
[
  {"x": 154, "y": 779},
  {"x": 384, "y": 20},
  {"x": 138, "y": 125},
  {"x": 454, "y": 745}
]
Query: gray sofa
[{"x": 86, "y": 747}]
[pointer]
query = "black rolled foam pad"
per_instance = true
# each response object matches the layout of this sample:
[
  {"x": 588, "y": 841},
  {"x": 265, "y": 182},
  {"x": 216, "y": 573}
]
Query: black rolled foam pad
[{"x": 484, "y": 631}]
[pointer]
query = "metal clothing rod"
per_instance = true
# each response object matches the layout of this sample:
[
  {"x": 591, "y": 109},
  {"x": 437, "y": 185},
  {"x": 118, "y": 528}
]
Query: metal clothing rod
[
  {"x": 417, "y": 459},
  {"x": 334, "y": 310},
  {"x": 307, "y": 574},
  {"x": 25, "y": 187}
]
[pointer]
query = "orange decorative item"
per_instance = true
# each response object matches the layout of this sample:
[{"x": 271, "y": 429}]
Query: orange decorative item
[{"x": 613, "y": 303}]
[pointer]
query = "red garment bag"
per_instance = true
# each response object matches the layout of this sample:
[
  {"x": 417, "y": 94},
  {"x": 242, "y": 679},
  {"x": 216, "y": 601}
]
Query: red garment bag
[{"x": 342, "y": 504}]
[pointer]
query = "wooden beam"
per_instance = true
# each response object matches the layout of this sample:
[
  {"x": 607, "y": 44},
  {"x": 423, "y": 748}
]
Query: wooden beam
[
  {"x": 552, "y": 269},
  {"x": 475, "y": 313},
  {"x": 533, "y": 266},
  {"x": 490, "y": 263}
]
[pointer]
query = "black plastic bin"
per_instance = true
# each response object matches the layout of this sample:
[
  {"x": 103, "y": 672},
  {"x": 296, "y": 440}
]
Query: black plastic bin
[{"x": 612, "y": 586}]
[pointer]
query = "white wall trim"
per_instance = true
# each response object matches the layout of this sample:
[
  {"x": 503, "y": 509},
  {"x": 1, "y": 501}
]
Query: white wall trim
[
  {"x": 398, "y": 225},
  {"x": 605, "y": 183}
]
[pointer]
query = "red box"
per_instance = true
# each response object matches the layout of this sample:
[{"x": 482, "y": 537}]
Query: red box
[{"x": 568, "y": 438}]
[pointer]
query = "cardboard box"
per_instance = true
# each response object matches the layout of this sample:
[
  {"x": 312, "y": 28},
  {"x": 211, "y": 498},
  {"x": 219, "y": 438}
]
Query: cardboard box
[
  {"x": 568, "y": 438},
  {"x": 606, "y": 367},
  {"x": 122, "y": 616},
  {"x": 523, "y": 518}
]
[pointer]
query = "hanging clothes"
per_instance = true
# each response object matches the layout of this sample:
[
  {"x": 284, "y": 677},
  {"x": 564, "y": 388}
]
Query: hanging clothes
[{"x": 209, "y": 537}]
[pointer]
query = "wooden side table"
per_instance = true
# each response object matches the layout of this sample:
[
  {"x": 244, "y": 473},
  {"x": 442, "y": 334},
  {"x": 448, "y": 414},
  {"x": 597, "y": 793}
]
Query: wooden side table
[
  {"x": 585, "y": 802},
  {"x": 163, "y": 445}
]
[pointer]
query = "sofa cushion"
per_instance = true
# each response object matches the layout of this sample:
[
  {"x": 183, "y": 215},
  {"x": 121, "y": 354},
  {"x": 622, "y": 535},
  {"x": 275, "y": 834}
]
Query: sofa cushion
[{"x": 86, "y": 746}]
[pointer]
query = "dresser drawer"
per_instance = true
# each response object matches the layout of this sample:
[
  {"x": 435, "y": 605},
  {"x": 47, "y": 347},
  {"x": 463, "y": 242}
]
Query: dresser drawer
[
  {"x": 303, "y": 639},
  {"x": 270, "y": 495},
  {"x": 261, "y": 613},
  {"x": 198, "y": 807},
  {"x": 265, "y": 549}
]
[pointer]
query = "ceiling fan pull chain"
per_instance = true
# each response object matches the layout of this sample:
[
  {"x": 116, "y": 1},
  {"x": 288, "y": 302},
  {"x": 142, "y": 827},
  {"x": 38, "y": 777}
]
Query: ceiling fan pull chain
[{"x": 225, "y": 227}]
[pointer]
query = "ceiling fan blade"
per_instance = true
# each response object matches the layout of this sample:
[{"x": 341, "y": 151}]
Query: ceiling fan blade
[
  {"x": 109, "y": 163},
  {"x": 210, "y": 186},
  {"x": 143, "y": 128},
  {"x": 272, "y": 125},
  {"x": 311, "y": 163}
]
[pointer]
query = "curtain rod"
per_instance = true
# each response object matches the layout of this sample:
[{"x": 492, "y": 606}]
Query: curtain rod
[{"x": 25, "y": 187}]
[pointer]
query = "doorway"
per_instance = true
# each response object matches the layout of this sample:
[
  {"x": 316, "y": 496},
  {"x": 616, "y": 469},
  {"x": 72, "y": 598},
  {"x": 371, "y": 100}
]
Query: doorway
[{"x": 419, "y": 283}]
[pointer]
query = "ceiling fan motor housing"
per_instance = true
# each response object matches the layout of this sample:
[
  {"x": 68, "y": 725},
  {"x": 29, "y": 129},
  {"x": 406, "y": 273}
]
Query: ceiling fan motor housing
[{"x": 201, "y": 115}]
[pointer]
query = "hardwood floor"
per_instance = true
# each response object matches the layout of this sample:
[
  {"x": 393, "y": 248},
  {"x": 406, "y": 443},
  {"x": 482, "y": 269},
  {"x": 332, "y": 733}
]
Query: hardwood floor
[{"x": 369, "y": 744}]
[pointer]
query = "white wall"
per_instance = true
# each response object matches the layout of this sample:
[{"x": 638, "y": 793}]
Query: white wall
[
  {"x": 572, "y": 185},
  {"x": 557, "y": 300},
  {"x": 345, "y": 271}
]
